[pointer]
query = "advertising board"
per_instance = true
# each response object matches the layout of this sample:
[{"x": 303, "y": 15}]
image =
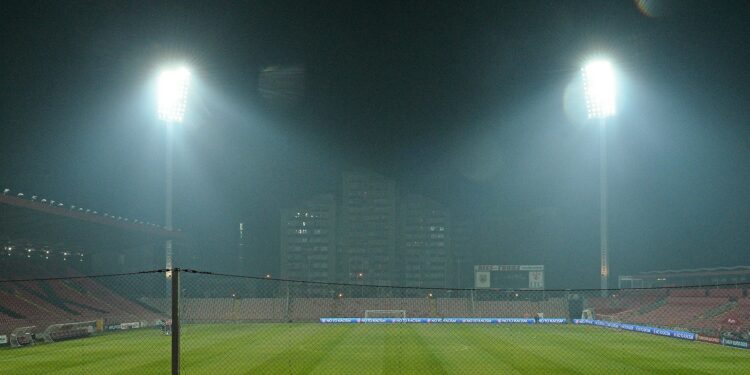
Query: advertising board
[
  {"x": 445, "y": 320},
  {"x": 638, "y": 328},
  {"x": 735, "y": 343}
]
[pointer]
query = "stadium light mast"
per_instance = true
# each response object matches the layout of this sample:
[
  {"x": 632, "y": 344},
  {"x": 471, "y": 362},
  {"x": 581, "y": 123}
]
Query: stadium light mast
[
  {"x": 172, "y": 95},
  {"x": 599, "y": 88},
  {"x": 361, "y": 278}
]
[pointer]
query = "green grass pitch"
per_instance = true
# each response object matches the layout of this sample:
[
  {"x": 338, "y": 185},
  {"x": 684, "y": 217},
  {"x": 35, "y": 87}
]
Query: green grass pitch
[{"x": 379, "y": 349}]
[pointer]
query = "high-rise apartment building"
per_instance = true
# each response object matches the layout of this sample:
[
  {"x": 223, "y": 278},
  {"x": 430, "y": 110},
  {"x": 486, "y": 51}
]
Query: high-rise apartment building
[
  {"x": 308, "y": 240},
  {"x": 424, "y": 255},
  {"x": 368, "y": 229},
  {"x": 463, "y": 236}
]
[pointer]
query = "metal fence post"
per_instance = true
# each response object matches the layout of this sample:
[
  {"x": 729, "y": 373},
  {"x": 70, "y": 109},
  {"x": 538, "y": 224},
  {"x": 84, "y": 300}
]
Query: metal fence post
[
  {"x": 287, "y": 305},
  {"x": 176, "y": 321},
  {"x": 473, "y": 309}
]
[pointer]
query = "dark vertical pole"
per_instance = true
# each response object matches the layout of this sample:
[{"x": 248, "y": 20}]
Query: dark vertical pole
[
  {"x": 603, "y": 224},
  {"x": 473, "y": 305},
  {"x": 288, "y": 303},
  {"x": 168, "y": 201},
  {"x": 176, "y": 321}
]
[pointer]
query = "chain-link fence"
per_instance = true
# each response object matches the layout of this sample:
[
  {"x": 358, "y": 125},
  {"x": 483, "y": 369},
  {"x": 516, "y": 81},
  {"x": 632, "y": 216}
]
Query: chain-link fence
[
  {"x": 68, "y": 324},
  {"x": 233, "y": 324}
]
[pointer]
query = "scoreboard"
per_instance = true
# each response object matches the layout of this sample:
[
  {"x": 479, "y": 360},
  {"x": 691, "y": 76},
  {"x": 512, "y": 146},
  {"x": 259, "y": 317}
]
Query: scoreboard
[{"x": 509, "y": 276}]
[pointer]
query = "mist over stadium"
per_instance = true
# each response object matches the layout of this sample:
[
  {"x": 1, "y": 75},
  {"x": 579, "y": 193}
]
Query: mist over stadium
[{"x": 396, "y": 187}]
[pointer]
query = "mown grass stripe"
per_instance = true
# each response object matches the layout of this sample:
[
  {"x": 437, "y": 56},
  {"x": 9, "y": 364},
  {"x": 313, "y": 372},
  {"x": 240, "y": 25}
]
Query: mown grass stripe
[
  {"x": 624, "y": 352},
  {"x": 407, "y": 352},
  {"x": 378, "y": 349},
  {"x": 360, "y": 352},
  {"x": 201, "y": 352},
  {"x": 305, "y": 350}
]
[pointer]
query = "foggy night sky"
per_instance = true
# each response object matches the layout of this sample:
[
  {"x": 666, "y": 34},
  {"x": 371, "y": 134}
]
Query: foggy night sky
[{"x": 464, "y": 102}]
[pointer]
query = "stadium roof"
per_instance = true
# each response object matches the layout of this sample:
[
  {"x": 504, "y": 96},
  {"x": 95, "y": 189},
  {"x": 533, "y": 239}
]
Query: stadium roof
[
  {"x": 713, "y": 271},
  {"x": 50, "y": 224}
]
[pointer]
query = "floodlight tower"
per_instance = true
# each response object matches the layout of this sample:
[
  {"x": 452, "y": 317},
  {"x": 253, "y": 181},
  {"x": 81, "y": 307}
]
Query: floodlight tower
[
  {"x": 172, "y": 100},
  {"x": 599, "y": 88}
]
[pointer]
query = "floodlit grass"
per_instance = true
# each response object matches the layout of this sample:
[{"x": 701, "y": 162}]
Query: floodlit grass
[{"x": 379, "y": 349}]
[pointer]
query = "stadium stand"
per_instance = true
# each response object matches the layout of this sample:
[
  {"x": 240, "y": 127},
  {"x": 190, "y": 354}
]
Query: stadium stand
[
  {"x": 735, "y": 319},
  {"x": 679, "y": 311},
  {"x": 706, "y": 311},
  {"x": 312, "y": 309},
  {"x": 626, "y": 302},
  {"x": 45, "y": 302},
  {"x": 730, "y": 293},
  {"x": 44, "y": 239}
]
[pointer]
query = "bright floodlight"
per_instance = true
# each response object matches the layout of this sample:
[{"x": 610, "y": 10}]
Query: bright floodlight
[
  {"x": 173, "y": 90},
  {"x": 599, "y": 85}
]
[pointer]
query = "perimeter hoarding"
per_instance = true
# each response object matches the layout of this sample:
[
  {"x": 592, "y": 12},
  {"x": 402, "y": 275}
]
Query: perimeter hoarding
[{"x": 445, "y": 320}]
